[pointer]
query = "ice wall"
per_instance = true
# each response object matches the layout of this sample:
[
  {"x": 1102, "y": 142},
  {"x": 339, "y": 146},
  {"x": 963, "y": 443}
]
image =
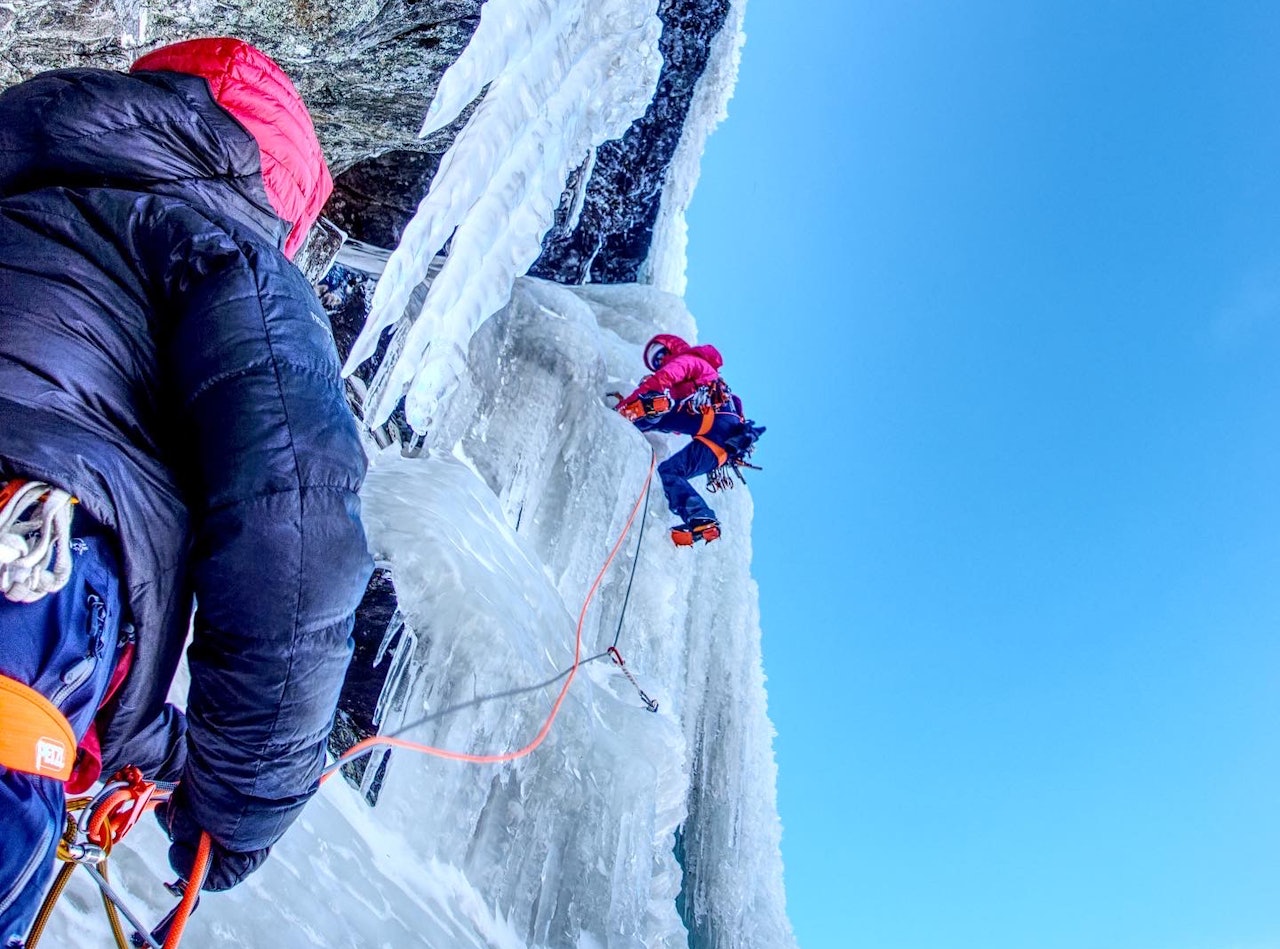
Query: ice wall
[{"x": 573, "y": 846}]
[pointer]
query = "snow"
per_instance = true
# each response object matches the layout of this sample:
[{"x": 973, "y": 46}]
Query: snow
[
  {"x": 562, "y": 76},
  {"x": 573, "y": 845}
]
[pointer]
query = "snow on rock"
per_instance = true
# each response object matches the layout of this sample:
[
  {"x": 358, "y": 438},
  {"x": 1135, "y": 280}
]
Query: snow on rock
[{"x": 562, "y": 76}]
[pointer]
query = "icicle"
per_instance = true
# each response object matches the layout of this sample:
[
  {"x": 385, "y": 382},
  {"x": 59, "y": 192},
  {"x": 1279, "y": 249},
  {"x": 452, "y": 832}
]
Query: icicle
[{"x": 562, "y": 78}]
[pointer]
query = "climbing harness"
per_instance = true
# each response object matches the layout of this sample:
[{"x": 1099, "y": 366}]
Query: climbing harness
[{"x": 35, "y": 538}]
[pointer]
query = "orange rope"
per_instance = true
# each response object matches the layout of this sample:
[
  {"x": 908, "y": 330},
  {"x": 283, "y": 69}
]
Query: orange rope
[
  {"x": 102, "y": 817},
  {"x": 362, "y": 746},
  {"x": 199, "y": 870}
]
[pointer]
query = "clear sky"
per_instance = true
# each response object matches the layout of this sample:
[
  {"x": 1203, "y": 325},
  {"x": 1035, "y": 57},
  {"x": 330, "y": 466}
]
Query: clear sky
[{"x": 1003, "y": 280}]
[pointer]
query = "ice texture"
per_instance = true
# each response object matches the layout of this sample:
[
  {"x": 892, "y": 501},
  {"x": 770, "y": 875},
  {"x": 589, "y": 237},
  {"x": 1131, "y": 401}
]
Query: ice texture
[
  {"x": 560, "y": 77},
  {"x": 574, "y": 845}
]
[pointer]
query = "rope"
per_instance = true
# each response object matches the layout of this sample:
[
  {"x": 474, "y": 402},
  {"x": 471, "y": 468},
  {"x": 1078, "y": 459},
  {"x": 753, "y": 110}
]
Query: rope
[
  {"x": 368, "y": 744},
  {"x": 191, "y": 892},
  {"x": 636, "y": 559},
  {"x": 87, "y": 841},
  {"x": 35, "y": 533}
]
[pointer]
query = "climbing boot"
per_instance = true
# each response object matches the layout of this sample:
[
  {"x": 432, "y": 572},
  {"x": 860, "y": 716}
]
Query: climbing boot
[{"x": 703, "y": 529}]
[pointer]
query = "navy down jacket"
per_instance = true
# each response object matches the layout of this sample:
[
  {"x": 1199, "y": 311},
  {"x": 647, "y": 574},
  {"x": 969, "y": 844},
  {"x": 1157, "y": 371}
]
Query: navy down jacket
[{"x": 163, "y": 361}]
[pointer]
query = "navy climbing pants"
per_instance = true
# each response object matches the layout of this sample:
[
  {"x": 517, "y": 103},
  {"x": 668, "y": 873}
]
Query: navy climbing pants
[
  {"x": 692, "y": 460},
  {"x": 63, "y": 646}
]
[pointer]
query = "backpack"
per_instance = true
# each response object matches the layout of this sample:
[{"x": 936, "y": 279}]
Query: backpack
[{"x": 742, "y": 443}]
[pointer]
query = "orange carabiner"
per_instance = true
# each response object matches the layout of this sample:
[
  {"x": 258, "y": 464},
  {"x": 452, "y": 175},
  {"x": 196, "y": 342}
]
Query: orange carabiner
[{"x": 122, "y": 808}]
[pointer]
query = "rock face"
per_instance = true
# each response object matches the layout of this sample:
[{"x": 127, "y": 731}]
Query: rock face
[
  {"x": 610, "y": 240},
  {"x": 367, "y": 69}
]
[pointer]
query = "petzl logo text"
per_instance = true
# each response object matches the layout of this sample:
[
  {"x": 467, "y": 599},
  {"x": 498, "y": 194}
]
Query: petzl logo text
[{"x": 51, "y": 755}]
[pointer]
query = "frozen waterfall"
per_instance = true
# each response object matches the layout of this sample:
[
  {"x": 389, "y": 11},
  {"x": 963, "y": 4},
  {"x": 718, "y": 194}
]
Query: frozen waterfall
[{"x": 575, "y": 845}]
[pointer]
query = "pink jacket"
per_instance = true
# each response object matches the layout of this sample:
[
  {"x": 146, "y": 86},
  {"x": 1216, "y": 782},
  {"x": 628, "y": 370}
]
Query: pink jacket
[{"x": 683, "y": 372}]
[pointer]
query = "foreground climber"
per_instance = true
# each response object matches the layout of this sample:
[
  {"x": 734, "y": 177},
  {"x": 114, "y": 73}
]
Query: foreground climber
[
  {"x": 684, "y": 394},
  {"x": 162, "y": 361}
]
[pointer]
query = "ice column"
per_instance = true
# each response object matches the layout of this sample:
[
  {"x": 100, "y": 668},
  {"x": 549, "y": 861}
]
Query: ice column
[{"x": 563, "y": 76}]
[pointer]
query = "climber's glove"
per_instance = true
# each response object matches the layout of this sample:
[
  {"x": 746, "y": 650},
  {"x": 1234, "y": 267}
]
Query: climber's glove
[{"x": 226, "y": 867}]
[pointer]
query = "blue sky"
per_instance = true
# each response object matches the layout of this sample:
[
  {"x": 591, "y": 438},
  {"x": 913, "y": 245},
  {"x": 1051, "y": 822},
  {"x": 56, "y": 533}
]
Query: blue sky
[{"x": 1003, "y": 280}]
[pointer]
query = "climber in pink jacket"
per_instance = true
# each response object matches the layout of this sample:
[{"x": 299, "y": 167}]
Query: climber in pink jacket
[
  {"x": 676, "y": 367},
  {"x": 684, "y": 394}
]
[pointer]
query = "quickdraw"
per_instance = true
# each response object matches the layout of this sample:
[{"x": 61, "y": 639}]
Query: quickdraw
[
  {"x": 713, "y": 395},
  {"x": 616, "y": 656},
  {"x": 722, "y": 477}
]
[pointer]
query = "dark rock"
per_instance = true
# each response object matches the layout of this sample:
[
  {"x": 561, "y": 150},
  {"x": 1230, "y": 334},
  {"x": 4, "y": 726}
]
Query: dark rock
[
  {"x": 611, "y": 239},
  {"x": 367, "y": 69}
]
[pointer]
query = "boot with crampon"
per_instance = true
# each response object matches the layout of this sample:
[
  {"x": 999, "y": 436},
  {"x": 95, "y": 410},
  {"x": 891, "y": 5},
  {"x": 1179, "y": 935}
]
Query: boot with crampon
[{"x": 703, "y": 529}]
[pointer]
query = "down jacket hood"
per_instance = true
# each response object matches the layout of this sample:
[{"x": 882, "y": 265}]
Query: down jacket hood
[
  {"x": 162, "y": 130},
  {"x": 248, "y": 84}
]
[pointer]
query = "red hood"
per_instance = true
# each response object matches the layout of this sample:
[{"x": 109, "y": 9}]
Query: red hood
[
  {"x": 676, "y": 346},
  {"x": 248, "y": 84}
]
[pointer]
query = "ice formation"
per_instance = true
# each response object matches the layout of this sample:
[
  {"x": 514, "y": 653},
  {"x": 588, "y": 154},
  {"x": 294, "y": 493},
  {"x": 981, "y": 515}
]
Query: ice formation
[
  {"x": 562, "y": 76},
  {"x": 494, "y": 546}
]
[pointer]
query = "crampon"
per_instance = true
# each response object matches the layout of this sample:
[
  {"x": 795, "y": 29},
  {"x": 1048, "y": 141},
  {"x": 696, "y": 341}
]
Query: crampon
[{"x": 686, "y": 535}]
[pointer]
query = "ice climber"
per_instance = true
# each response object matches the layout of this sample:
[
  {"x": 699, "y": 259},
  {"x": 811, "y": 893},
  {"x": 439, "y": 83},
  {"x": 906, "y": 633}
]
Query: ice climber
[
  {"x": 685, "y": 394},
  {"x": 164, "y": 363}
]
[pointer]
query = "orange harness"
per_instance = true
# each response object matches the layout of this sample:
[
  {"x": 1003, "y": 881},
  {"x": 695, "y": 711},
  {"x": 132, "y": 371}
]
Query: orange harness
[
  {"x": 709, "y": 419},
  {"x": 37, "y": 738}
]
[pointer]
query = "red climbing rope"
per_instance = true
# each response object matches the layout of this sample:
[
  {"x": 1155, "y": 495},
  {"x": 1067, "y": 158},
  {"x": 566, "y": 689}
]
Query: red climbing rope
[
  {"x": 191, "y": 892},
  {"x": 375, "y": 741}
]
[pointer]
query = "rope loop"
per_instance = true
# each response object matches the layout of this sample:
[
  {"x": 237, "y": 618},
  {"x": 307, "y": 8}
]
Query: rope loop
[{"x": 35, "y": 540}]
